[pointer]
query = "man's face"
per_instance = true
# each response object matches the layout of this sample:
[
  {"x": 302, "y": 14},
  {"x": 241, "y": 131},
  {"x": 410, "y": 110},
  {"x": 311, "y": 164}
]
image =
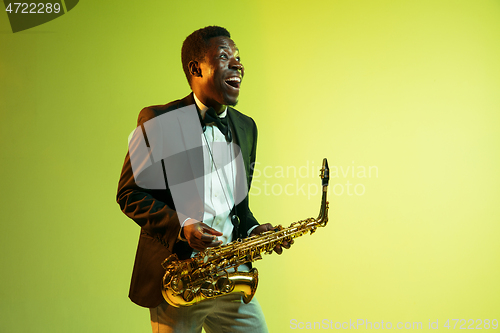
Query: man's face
[{"x": 221, "y": 72}]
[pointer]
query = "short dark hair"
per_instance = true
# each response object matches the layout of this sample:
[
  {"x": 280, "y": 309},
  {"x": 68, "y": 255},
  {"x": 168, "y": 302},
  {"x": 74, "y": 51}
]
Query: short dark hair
[{"x": 195, "y": 46}]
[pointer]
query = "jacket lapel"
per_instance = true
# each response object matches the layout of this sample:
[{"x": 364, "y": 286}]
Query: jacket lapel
[
  {"x": 192, "y": 190},
  {"x": 241, "y": 137}
]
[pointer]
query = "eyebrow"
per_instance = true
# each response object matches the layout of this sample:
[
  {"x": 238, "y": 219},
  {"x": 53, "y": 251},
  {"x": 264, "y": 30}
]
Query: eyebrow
[{"x": 227, "y": 48}]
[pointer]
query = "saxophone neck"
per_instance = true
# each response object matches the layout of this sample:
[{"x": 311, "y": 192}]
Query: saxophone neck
[{"x": 322, "y": 219}]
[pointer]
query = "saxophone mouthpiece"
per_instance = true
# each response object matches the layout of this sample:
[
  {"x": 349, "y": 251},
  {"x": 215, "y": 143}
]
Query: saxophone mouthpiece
[{"x": 325, "y": 173}]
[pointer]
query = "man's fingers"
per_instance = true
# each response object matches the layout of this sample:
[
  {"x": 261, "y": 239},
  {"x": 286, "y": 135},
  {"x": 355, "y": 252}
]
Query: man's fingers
[
  {"x": 201, "y": 245},
  {"x": 214, "y": 244},
  {"x": 262, "y": 228},
  {"x": 205, "y": 233},
  {"x": 205, "y": 245},
  {"x": 208, "y": 238},
  {"x": 268, "y": 226},
  {"x": 207, "y": 229},
  {"x": 200, "y": 236},
  {"x": 286, "y": 244}
]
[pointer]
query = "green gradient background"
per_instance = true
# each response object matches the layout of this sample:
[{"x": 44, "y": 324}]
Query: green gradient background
[{"x": 411, "y": 87}]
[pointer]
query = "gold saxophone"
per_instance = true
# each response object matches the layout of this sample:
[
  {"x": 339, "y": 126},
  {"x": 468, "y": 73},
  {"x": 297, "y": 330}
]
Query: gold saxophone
[{"x": 213, "y": 272}]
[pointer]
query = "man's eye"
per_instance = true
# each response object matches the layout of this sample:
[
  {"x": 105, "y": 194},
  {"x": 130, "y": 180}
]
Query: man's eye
[{"x": 223, "y": 56}]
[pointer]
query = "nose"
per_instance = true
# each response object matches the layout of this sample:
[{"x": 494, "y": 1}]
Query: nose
[{"x": 238, "y": 66}]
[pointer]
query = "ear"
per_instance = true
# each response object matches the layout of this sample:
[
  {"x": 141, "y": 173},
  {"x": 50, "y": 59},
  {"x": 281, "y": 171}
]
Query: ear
[{"x": 194, "y": 68}]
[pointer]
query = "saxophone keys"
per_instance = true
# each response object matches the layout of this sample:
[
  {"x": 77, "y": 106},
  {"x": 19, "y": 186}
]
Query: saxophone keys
[
  {"x": 313, "y": 229},
  {"x": 223, "y": 263},
  {"x": 169, "y": 260},
  {"x": 224, "y": 285},
  {"x": 188, "y": 295},
  {"x": 207, "y": 289},
  {"x": 176, "y": 284}
]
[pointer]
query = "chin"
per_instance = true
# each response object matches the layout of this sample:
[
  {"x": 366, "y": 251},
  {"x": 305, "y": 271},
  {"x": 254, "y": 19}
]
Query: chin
[{"x": 231, "y": 101}]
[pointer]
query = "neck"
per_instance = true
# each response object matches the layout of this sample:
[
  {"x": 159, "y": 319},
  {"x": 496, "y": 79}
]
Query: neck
[{"x": 204, "y": 104}]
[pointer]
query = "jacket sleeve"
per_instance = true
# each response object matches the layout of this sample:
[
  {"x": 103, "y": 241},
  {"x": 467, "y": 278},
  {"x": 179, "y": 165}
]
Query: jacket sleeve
[{"x": 153, "y": 210}]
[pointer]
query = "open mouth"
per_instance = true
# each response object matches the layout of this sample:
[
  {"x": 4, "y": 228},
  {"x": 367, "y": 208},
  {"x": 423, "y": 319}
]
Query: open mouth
[{"x": 234, "y": 82}]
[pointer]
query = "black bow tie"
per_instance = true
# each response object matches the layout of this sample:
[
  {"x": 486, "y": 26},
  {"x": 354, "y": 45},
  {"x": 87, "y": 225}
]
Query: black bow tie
[{"x": 221, "y": 123}]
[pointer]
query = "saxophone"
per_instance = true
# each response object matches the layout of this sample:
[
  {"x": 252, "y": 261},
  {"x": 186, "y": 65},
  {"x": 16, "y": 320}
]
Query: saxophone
[{"x": 213, "y": 272}]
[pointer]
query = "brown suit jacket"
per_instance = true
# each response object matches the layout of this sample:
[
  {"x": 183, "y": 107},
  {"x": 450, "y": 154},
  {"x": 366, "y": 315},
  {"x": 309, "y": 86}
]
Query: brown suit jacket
[{"x": 154, "y": 210}]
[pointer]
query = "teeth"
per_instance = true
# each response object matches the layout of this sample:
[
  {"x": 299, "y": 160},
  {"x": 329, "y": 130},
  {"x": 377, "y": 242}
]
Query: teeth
[{"x": 236, "y": 79}]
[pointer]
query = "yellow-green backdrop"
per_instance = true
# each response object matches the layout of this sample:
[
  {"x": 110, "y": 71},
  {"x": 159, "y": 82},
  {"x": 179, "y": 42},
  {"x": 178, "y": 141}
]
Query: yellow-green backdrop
[{"x": 402, "y": 97}]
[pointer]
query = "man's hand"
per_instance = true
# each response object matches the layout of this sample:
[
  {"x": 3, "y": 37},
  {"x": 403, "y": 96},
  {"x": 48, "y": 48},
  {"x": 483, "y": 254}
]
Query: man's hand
[
  {"x": 266, "y": 227},
  {"x": 200, "y": 236}
]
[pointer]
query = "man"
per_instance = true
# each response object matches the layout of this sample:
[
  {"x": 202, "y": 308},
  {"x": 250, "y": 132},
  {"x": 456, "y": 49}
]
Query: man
[{"x": 173, "y": 223}]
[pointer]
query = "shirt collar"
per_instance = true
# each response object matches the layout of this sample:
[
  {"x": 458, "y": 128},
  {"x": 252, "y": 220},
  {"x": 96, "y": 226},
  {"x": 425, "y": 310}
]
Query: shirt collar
[{"x": 204, "y": 108}]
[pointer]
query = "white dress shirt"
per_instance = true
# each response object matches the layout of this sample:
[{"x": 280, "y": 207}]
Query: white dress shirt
[{"x": 219, "y": 178}]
